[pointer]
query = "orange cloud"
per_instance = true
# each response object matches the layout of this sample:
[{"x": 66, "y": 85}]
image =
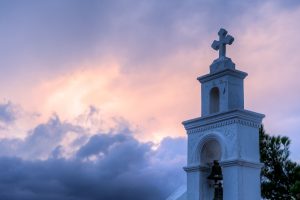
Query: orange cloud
[{"x": 155, "y": 102}]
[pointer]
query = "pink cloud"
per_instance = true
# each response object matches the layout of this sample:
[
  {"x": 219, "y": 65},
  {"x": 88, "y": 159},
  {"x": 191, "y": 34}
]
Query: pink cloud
[{"x": 156, "y": 93}]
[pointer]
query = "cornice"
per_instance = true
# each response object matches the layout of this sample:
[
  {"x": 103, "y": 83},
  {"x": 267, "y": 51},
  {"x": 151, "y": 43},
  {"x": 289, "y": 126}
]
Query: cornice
[
  {"x": 225, "y": 164},
  {"x": 196, "y": 168},
  {"x": 232, "y": 72},
  {"x": 242, "y": 163},
  {"x": 243, "y": 117}
]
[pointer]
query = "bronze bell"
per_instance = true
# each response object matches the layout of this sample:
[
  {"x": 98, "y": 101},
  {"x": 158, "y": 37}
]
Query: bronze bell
[{"x": 216, "y": 172}]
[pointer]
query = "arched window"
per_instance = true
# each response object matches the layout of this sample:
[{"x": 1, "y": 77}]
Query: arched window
[{"x": 214, "y": 100}]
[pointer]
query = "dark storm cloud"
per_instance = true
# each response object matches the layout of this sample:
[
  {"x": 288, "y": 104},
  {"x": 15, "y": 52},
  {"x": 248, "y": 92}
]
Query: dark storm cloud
[
  {"x": 107, "y": 165},
  {"x": 99, "y": 144},
  {"x": 42, "y": 140},
  {"x": 123, "y": 168},
  {"x": 46, "y": 137}
]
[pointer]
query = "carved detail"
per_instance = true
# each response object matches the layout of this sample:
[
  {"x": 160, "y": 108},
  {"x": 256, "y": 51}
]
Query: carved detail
[
  {"x": 229, "y": 133},
  {"x": 223, "y": 123}
]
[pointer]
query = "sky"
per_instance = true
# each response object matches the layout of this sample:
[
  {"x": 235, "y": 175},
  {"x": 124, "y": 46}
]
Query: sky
[{"x": 93, "y": 93}]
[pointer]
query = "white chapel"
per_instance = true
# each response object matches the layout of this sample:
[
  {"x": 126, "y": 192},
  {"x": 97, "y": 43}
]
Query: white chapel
[{"x": 223, "y": 159}]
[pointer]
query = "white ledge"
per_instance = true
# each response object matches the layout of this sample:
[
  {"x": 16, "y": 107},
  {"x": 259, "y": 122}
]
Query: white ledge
[
  {"x": 242, "y": 163},
  {"x": 243, "y": 117},
  {"x": 225, "y": 72},
  {"x": 224, "y": 164},
  {"x": 195, "y": 168}
]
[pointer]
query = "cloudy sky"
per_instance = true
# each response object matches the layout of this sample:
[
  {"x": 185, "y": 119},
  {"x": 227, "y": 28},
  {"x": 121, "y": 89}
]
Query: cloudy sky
[{"x": 93, "y": 93}]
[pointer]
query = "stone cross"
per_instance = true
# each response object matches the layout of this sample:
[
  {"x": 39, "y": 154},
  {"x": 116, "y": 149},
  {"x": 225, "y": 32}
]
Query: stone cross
[{"x": 221, "y": 44}]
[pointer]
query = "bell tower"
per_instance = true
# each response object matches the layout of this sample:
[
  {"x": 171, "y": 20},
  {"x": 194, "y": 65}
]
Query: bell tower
[{"x": 225, "y": 132}]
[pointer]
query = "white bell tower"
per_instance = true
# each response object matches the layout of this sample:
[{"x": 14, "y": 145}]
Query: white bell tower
[{"x": 225, "y": 132}]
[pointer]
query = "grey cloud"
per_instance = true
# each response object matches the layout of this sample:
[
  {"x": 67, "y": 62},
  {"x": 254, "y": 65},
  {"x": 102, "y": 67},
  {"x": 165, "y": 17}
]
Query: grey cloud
[
  {"x": 125, "y": 171},
  {"x": 41, "y": 141},
  {"x": 45, "y": 137},
  {"x": 10, "y": 147},
  {"x": 8, "y": 112},
  {"x": 108, "y": 166},
  {"x": 99, "y": 144},
  {"x": 171, "y": 148}
]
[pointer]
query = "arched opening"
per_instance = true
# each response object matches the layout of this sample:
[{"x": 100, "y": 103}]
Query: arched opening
[
  {"x": 214, "y": 101},
  {"x": 210, "y": 151}
]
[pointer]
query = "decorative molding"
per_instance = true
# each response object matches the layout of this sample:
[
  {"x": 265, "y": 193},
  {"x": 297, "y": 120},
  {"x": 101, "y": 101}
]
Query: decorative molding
[
  {"x": 223, "y": 123},
  {"x": 243, "y": 117},
  {"x": 242, "y": 163}
]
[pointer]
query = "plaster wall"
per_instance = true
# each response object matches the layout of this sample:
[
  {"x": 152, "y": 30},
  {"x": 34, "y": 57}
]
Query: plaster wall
[
  {"x": 241, "y": 182},
  {"x": 231, "y": 93}
]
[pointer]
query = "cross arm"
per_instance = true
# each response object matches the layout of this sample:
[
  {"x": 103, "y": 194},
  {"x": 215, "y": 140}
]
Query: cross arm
[
  {"x": 229, "y": 39},
  {"x": 215, "y": 45}
]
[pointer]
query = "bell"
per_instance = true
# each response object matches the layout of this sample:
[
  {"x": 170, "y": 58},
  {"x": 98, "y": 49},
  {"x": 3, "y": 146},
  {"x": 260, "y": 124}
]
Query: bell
[{"x": 216, "y": 172}]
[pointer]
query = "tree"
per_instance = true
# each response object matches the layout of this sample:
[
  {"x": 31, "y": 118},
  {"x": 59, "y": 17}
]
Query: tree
[
  {"x": 296, "y": 186},
  {"x": 278, "y": 177}
]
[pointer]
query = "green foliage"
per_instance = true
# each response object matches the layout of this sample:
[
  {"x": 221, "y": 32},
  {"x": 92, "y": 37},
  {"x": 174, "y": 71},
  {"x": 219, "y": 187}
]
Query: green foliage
[
  {"x": 279, "y": 178},
  {"x": 296, "y": 187}
]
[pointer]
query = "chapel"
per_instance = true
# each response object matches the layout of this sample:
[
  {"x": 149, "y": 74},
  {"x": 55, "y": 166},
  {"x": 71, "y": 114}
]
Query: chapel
[{"x": 223, "y": 160}]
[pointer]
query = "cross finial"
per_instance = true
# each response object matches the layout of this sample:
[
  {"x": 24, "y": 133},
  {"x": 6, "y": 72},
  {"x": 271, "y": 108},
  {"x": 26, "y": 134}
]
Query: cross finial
[{"x": 221, "y": 44}]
